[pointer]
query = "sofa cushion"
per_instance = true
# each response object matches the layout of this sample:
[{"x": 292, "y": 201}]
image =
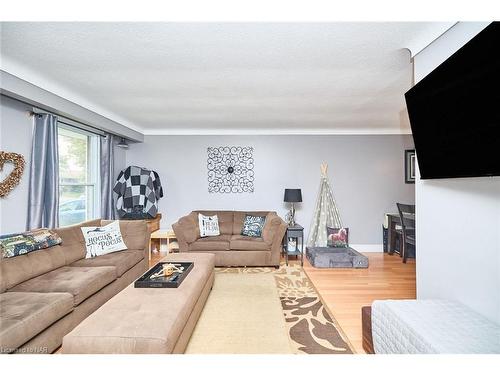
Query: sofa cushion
[
  {"x": 121, "y": 260},
  {"x": 253, "y": 226},
  {"x": 73, "y": 243},
  {"x": 239, "y": 217},
  {"x": 24, "y": 315},
  {"x": 208, "y": 225},
  {"x": 216, "y": 243},
  {"x": 239, "y": 242},
  {"x": 18, "y": 269},
  {"x": 81, "y": 282},
  {"x": 134, "y": 232},
  {"x": 102, "y": 240},
  {"x": 225, "y": 220},
  {"x": 16, "y": 244}
]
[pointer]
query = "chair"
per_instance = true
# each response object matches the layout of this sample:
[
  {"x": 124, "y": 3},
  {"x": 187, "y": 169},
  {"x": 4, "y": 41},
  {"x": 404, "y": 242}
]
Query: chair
[{"x": 407, "y": 217}]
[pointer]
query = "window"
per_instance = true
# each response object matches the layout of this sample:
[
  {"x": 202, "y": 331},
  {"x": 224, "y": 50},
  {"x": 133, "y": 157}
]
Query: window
[{"x": 79, "y": 190}]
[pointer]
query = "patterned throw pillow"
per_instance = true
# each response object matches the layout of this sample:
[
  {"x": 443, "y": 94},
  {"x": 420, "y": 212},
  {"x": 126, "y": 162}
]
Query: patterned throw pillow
[
  {"x": 338, "y": 237},
  {"x": 12, "y": 245},
  {"x": 103, "y": 240},
  {"x": 253, "y": 226},
  {"x": 209, "y": 225}
]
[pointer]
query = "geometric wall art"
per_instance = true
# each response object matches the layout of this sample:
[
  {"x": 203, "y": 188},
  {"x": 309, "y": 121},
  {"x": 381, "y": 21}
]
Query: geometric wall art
[{"x": 230, "y": 169}]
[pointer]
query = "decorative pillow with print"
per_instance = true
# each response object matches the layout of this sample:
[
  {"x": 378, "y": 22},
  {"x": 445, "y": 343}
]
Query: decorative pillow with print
[
  {"x": 253, "y": 226},
  {"x": 103, "y": 240},
  {"x": 209, "y": 225},
  {"x": 338, "y": 237},
  {"x": 12, "y": 245}
]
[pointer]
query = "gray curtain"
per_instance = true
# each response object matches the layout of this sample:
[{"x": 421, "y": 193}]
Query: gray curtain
[
  {"x": 107, "y": 177},
  {"x": 43, "y": 199}
]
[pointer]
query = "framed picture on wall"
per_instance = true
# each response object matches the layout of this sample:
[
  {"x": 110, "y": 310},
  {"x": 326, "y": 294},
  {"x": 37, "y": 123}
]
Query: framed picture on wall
[{"x": 410, "y": 166}]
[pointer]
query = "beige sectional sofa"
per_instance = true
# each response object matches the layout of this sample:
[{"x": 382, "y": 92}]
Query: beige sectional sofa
[
  {"x": 231, "y": 248},
  {"x": 46, "y": 293}
]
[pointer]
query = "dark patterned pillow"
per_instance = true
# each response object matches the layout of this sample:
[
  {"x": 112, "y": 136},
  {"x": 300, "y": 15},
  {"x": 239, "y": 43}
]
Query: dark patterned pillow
[
  {"x": 12, "y": 245},
  {"x": 253, "y": 226}
]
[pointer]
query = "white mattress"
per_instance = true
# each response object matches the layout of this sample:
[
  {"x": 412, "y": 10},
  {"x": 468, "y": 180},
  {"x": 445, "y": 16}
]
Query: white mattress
[{"x": 431, "y": 326}]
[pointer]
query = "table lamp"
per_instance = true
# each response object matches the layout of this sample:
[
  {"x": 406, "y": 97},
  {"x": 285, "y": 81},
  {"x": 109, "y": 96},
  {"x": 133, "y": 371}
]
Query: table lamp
[{"x": 292, "y": 196}]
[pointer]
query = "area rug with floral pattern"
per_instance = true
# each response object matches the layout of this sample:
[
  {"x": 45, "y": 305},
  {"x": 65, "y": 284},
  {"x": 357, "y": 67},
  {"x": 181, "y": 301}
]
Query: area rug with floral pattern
[{"x": 311, "y": 328}]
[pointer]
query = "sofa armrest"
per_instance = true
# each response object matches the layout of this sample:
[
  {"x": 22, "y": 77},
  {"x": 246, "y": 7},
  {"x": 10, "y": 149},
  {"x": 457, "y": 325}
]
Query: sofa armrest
[
  {"x": 273, "y": 222},
  {"x": 186, "y": 231},
  {"x": 273, "y": 233}
]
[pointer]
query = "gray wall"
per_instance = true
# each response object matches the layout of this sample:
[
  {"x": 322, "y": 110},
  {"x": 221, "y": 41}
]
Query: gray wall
[
  {"x": 366, "y": 172},
  {"x": 15, "y": 136},
  {"x": 458, "y": 220},
  {"x": 16, "y": 128}
]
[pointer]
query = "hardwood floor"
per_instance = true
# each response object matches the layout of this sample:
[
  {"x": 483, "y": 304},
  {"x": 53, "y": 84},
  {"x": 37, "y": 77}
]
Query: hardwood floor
[
  {"x": 156, "y": 256},
  {"x": 345, "y": 291}
]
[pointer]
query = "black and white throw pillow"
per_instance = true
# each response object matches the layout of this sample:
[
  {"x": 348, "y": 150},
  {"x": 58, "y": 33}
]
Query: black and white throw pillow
[
  {"x": 103, "y": 240},
  {"x": 209, "y": 225},
  {"x": 253, "y": 226}
]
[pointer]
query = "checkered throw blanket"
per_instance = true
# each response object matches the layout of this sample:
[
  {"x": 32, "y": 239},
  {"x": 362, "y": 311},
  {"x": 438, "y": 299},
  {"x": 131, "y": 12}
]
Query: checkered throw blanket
[{"x": 138, "y": 191}]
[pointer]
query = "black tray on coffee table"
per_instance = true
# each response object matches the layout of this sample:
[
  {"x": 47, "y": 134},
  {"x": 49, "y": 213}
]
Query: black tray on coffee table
[{"x": 172, "y": 281}]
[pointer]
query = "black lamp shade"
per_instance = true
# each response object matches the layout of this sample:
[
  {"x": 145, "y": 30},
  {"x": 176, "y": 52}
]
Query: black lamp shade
[{"x": 293, "y": 195}]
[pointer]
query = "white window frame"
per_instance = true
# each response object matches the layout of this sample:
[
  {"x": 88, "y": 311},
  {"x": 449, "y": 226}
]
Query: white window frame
[{"x": 93, "y": 167}]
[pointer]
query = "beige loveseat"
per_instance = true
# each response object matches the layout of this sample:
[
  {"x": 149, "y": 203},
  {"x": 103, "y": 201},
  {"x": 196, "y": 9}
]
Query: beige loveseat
[
  {"x": 46, "y": 293},
  {"x": 231, "y": 248}
]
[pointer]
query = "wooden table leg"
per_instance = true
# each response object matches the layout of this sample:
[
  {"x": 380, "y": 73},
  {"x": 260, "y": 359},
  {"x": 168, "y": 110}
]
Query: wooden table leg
[{"x": 301, "y": 250}]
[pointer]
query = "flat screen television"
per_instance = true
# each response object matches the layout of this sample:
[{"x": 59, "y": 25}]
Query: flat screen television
[{"x": 455, "y": 112}]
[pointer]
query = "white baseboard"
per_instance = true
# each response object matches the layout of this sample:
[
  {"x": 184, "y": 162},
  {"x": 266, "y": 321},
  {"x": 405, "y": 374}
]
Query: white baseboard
[{"x": 368, "y": 248}]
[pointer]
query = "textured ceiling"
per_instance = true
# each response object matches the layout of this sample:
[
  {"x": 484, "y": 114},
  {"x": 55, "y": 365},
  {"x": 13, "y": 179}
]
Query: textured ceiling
[{"x": 202, "y": 78}]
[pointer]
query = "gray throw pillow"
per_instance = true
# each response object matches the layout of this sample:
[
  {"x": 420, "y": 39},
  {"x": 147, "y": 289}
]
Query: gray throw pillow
[{"x": 253, "y": 226}]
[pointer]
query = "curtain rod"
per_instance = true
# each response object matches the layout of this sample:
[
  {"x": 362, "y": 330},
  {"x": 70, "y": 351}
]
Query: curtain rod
[{"x": 67, "y": 121}]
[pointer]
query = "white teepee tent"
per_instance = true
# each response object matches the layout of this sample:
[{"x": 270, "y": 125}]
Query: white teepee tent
[{"x": 325, "y": 213}]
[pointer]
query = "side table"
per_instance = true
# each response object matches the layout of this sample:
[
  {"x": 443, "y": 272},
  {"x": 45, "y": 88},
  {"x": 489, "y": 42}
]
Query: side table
[
  {"x": 163, "y": 235},
  {"x": 296, "y": 232}
]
